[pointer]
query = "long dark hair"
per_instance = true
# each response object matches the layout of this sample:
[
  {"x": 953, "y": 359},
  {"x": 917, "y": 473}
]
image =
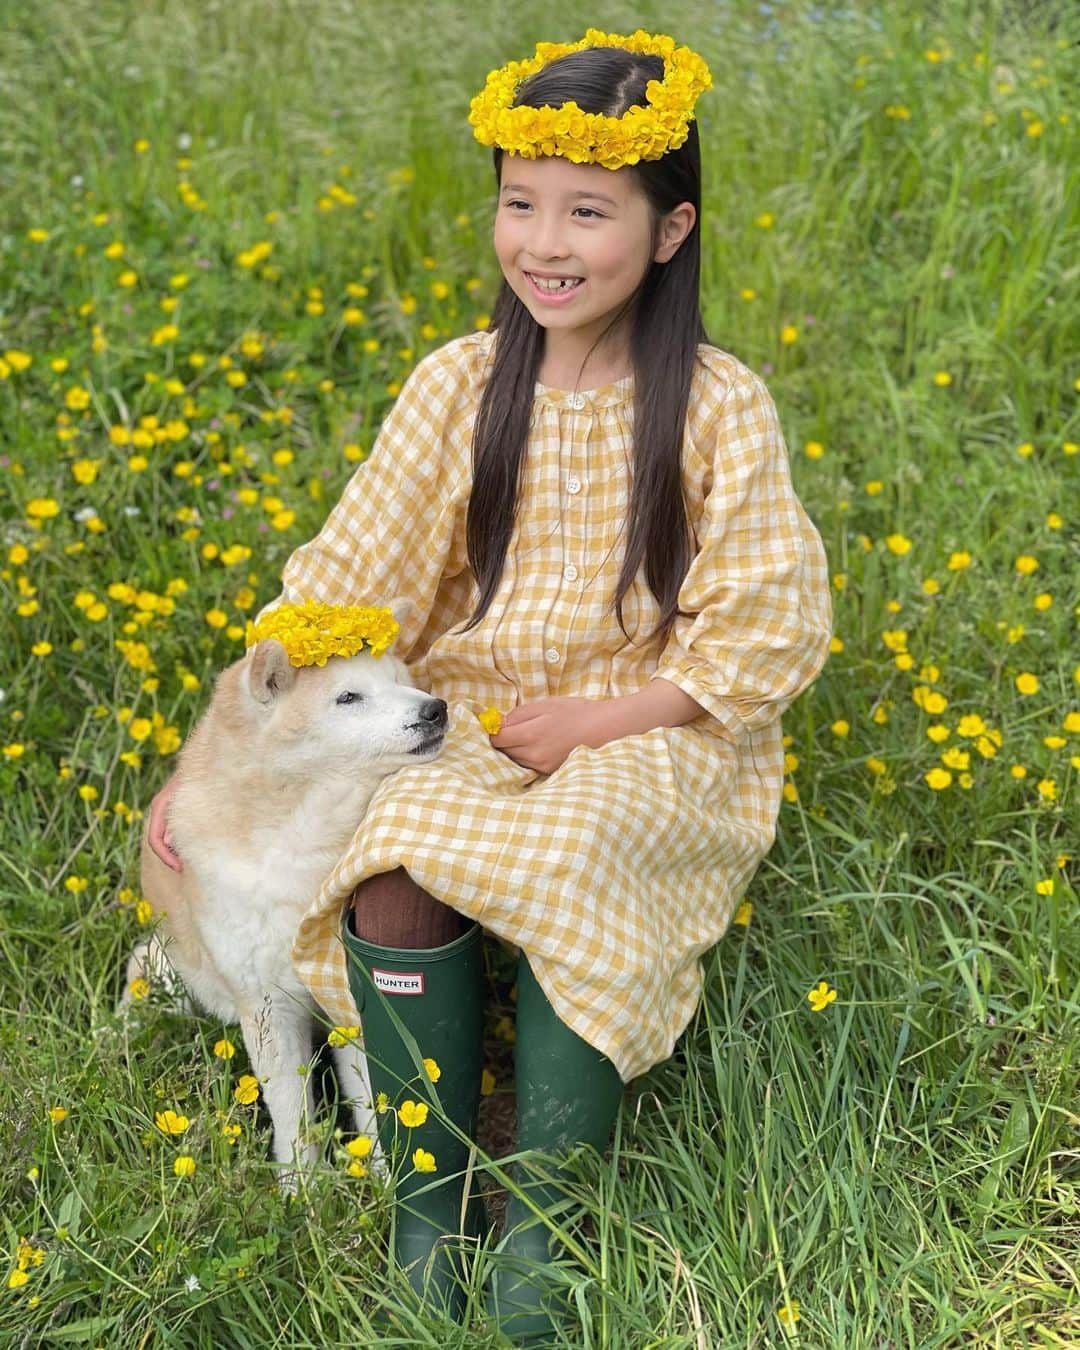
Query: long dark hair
[{"x": 667, "y": 327}]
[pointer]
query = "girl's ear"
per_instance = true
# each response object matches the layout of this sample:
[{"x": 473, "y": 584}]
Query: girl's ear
[{"x": 674, "y": 227}]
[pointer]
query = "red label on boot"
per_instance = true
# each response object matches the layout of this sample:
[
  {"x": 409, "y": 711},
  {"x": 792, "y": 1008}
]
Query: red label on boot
[{"x": 394, "y": 982}]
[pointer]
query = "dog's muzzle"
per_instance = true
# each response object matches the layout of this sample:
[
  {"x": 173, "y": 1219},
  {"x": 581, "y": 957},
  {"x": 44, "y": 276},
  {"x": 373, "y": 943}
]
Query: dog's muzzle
[{"x": 432, "y": 721}]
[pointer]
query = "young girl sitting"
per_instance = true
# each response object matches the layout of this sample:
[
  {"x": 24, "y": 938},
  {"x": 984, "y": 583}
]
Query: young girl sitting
[{"x": 590, "y": 509}]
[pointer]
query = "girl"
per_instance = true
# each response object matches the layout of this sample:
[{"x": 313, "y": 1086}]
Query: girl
[{"x": 590, "y": 509}]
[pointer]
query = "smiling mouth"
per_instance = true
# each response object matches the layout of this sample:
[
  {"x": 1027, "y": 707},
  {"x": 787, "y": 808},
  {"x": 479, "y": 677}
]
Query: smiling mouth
[{"x": 555, "y": 285}]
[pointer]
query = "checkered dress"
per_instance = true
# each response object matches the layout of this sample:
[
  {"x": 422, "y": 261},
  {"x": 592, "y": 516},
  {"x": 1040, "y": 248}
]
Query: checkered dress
[{"x": 616, "y": 872}]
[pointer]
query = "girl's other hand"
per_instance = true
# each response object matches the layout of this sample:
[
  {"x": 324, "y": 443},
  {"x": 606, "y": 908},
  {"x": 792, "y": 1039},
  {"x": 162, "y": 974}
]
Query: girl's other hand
[
  {"x": 541, "y": 735},
  {"x": 158, "y": 833}
]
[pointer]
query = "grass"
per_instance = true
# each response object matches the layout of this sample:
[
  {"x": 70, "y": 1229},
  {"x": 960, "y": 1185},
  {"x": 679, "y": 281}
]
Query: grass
[{"x": 898, "y": 190}]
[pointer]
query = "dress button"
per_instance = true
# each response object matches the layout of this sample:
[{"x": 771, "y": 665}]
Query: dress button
[
  {"x": 573, "y": 486},
  {"x": 552, "y": 654},
  {"x": 569, "y": 572},
  {"x": 578, "y": 401}
]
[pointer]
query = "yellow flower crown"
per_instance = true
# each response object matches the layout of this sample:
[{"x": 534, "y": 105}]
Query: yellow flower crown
[
  {"x": 313, "y": 632},
  {"x": 593, "y": 138}
]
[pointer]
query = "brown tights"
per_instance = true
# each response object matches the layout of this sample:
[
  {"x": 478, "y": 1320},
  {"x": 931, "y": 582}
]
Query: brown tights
[{"x": 391, "y": 910}]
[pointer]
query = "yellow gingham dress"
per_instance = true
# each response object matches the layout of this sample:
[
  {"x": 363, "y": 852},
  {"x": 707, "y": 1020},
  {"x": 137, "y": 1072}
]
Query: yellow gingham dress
[{"x": 616, "y": 872}]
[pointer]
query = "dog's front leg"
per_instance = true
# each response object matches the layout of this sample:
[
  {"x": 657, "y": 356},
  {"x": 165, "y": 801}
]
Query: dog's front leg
[
  {"x": 354, "y": 1081},
  {"x": 278, "y": 1041}
]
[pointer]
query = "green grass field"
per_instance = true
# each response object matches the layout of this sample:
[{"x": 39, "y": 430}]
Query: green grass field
[{"x": 227, "y": 233}]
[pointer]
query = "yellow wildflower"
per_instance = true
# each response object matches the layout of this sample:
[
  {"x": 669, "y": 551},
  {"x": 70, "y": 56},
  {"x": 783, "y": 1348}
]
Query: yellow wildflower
[
  {"x": 821, "y": 996},
  {"x": 412, "y": 1114}
]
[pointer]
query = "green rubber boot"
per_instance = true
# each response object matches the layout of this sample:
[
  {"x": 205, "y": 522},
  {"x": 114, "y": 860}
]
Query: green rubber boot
[
  {"x": 567, "y": 1094},
  {"x": 435, "y": 993}
]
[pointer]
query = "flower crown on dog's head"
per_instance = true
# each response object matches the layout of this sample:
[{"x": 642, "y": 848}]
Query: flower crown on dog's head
[
  {"x": 593, "y": 138},
  {"x": 313, "y": 632}
]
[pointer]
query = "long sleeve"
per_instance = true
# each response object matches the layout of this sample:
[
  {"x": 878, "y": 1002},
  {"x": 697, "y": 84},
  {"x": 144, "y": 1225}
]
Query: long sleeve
[
  {"x": 757, "y": 593},
  {"x": 391, "y": 533}
]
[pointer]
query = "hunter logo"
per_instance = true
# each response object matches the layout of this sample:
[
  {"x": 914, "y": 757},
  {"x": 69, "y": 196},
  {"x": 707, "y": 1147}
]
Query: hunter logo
[{"x": 394, "y": 982}]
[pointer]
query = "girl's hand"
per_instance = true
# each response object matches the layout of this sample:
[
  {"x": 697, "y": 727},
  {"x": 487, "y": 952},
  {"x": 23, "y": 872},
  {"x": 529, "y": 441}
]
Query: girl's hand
[
  {"x": 158, "y": 833},
  {"x": 541, "y": 735}
]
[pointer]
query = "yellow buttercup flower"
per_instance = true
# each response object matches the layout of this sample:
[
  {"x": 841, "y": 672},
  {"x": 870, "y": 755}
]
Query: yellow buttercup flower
[
  {"x": 169, "y": 1122},
  {"x": 423, "y": 1161},
  {"x": 641, "y": 133},
  {"x": 491, "y": 720},
  {"x": 821, "y": 996},
  {"x": 412, "y": 1114},
  {"x": 313, "y": 632},
  {"x": 246, "y": 1090}
]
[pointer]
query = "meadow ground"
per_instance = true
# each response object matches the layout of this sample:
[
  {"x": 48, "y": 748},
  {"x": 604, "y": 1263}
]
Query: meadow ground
[{"x": 227, "y": 233}]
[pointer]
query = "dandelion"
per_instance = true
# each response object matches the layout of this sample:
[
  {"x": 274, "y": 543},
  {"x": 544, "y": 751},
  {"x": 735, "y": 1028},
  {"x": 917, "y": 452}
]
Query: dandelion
[
  {"x": 959, "y": 561},
  {"x": 412, "y": 1114},
  {"x": 821, "y": 996},
  {"x": 938, "y": 779},
  {"x": 1047, "y": 789},
  {"x": 423, "y": 1161},
  {"x": 169, "y": 1122},
  {"x": 247, "y": 1090},
  {"x": 942, "y": 379},
  {"x": 840, "y": 728},
  {"x": 1045, "y": 887},
  {"x": 1025, "y": 564},
  {"x": 898, "y": 544},
  {"x": 1027, "y": 684}
]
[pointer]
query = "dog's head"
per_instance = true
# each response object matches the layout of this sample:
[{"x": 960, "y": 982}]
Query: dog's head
[{"x": 354, "y": 713}]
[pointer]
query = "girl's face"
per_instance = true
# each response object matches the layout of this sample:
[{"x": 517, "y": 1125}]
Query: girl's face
[{"x": 589, "y": 227}]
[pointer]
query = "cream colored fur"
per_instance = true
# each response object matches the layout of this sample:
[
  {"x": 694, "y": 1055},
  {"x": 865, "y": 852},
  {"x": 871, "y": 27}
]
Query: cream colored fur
[{"x": 271, "y": 786}]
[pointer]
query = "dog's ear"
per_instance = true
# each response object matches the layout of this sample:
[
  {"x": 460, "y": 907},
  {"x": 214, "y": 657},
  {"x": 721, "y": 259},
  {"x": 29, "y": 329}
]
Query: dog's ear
[
  {"x": 401, "y": 606},
  {"x": 270, "y": 673}
]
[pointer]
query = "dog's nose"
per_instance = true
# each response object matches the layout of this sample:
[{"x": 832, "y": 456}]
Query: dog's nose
[{"x": 434, "y": 712}]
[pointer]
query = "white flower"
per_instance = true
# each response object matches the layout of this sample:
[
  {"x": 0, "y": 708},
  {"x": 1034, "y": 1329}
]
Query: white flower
[{"x": 191, "y": 1283}]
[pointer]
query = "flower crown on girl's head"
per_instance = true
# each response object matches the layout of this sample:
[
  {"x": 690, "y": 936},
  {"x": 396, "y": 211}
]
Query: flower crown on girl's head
[
  {"x": 313, "y": 632},
  {"x": 593, "y": 138}
]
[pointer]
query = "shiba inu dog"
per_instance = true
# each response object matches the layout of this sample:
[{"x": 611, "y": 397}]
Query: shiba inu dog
[{"x": 270, "y": 788}]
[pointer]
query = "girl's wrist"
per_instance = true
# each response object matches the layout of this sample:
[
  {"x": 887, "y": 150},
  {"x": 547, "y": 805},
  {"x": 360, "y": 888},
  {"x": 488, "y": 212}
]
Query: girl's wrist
[{"x": 659, "y": 704}]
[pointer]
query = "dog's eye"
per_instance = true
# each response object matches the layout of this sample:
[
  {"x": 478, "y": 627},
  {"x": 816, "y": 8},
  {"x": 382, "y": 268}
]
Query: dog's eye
[{"x": 350, "y": 696}]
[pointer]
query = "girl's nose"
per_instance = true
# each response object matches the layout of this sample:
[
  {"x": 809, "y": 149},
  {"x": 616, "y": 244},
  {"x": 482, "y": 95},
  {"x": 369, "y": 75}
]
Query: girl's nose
[{"x": 549, "y": 240}]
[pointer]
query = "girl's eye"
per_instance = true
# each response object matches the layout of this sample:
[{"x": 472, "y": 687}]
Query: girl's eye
[
  {"x": 350, "y": 696},
  {"x": 588, "y": 209}
]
